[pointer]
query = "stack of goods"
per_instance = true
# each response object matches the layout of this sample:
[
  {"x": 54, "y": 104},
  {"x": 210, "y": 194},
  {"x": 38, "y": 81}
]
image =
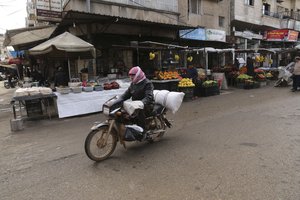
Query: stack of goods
[
  {"x": 269, "y": 76},
  {"x": 186, "y": 86},
  {"x": 89, "y": 87},
  {"x": 32, "y": 91},
  {"x": 75, "y": 85},
  {"x": 166, "y": 75},
  {"x": 261, "y": 77},
  {"x": 63, "y": 89},
  {"x": 246, "y": 82},
  {"x": 240, "y": 80},
  {"x": 110, "y": 86},
  {"x": 209, "y": 88}
]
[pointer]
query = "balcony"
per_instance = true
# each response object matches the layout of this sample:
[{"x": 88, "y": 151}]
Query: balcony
[{"x": 283, "y": 15}]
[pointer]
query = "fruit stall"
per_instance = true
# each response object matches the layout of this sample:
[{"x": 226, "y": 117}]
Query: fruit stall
[
  {"x": 167, "y": 80},
  {"x": 209, "y": 57}
]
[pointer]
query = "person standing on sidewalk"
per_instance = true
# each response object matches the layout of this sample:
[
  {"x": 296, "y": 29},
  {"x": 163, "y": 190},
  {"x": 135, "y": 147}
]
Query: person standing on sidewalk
[{"x": 296, "y": 74}]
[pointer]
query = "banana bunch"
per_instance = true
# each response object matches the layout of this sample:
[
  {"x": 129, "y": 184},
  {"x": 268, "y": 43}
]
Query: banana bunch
[
  {"x": 151, "y": 56},
  {"x": 190, "y": 58}
]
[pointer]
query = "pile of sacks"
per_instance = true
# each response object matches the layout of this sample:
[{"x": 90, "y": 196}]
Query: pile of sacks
[{"x": 171, "y": 100}]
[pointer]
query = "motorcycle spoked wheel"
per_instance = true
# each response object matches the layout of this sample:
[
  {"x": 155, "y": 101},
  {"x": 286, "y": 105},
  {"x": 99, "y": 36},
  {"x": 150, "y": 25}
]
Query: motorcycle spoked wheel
[{"x": 96, "y": 148}]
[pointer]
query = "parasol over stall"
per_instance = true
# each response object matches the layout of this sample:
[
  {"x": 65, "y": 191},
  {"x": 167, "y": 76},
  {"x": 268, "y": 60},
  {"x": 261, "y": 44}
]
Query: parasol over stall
[{"x": 64, "y": 46}]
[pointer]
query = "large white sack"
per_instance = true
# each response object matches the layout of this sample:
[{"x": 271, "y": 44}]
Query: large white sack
[
  {"x": 131, "y": 106},
  {"x": 171, "y": 100}
]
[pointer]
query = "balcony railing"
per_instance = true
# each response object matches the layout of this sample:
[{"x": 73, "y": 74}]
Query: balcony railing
[{"x": 283, "y": 15}]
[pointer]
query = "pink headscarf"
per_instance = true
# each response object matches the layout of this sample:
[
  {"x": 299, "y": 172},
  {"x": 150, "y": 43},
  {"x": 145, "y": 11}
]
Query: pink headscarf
[{"x": 139, "y": 74}]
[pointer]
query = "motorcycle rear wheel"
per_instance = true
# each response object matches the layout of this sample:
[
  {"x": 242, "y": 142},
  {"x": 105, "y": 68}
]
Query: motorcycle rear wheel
[
  {"x": 95, "y": 146},
  {"x": 161, "y": 125},
  {"x": 6, "y": 85}
]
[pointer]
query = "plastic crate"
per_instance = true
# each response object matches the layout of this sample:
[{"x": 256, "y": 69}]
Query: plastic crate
[
  {"x": 209, "y": 91},
  {"x": 188, "y": 91}
]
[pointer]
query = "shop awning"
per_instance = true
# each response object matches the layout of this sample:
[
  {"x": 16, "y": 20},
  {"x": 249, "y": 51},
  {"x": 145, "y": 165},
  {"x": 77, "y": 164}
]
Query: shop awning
[
  {"x": 169, "y": 46},
  {"x": 64, "y": 46},
  {"x": 212, "y": 50},
  {"x": 21, "y": 37},
  {"x": 11, "y": 66},
  {"x": 259, "y": 50}
]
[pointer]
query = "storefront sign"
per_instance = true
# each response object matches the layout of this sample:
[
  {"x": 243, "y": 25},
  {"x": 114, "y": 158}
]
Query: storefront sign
[
  {"x": 49, "y": 10},
  {"x": 248, "y": 35},
  {"x": 215, "y": 35},
  {"x": 193, "y": 34},
  {"x": 281, "y": 35}
]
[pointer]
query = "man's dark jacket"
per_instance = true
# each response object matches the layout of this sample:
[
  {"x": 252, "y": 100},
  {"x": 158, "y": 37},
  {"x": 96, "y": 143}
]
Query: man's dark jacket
[{"x": 142, "y": 91}]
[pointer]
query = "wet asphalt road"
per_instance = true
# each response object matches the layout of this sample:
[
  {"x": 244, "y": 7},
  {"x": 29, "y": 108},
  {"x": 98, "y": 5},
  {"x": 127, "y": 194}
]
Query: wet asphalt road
[{"x": 241, "y": 145}]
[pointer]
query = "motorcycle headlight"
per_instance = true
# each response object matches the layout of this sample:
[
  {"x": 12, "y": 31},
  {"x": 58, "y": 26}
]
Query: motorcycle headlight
[{"x": 105, "y": 110}]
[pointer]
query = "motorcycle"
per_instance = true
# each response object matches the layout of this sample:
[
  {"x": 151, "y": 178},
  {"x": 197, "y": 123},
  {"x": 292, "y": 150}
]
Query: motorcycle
[
  {"x": 14, "y": 82},
  {"x": 101, "y": 142},
  {"x": 285, "y": 76}
]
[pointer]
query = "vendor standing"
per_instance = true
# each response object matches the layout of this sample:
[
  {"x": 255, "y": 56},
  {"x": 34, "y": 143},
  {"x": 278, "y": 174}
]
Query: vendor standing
[
  {"x": 60, "y": 77},
  {"x": 192, "y": 73},
  {"x": 250, "y": 67}
]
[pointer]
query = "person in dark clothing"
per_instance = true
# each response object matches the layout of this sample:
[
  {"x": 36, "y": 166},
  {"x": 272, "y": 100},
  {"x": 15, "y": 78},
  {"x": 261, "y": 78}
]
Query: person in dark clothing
[
  {"x": 236, "y": 64},
  {"x": 37, "y": 76},
  {"x": 60, "y": 78},
  {"x": 250, "y": 67},
  {"x": 9, "y": 77},
  {"x": 192, "y": 73},
  {"x": 140, "y": 89}
]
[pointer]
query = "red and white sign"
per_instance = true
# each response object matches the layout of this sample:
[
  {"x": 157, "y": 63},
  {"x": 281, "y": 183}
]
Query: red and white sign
[{"x": 281, "y": 35}]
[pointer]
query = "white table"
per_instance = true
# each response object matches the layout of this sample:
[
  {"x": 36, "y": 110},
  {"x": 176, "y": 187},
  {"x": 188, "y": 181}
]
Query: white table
[{"x": 73, "y": 104}]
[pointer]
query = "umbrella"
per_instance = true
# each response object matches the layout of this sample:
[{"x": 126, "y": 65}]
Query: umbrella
[{"x": 64, "y": 46}]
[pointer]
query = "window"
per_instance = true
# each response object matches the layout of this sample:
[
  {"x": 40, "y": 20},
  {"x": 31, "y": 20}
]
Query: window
[
  {"x": 266, "y": 9},
  {"x": 249, "y": 2},
  {"x": 221, "y": 21},
  {"x": 194, "y": 6}
]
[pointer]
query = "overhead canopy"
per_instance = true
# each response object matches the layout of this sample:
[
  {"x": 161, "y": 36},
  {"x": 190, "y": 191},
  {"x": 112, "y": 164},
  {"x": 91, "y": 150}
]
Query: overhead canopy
[
  {"x": 25, "y": 36},
  {"x": 11, "y": 66},
  {"x": 212, "y": 50},
  {"x": 258, "y": 50},
  {"x": 63, "y": 46}
]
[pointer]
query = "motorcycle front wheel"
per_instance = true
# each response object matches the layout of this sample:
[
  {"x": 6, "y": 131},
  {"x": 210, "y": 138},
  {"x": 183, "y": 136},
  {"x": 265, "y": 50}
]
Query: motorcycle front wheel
[{"x": 97, "y": 148}]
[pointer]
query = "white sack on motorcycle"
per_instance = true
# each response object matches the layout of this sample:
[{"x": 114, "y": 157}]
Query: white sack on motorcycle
[
  {"x": 171, "y": 100},
  {"x": 131, "y": 106}
]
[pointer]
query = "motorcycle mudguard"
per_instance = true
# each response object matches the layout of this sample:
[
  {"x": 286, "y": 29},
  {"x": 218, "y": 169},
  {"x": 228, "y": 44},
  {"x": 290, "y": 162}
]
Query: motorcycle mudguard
[{"x": 98, "y": 125}]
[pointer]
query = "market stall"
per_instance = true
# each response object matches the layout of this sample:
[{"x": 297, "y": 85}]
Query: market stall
[
  {"x": 64, "y": 47},
  {"x": 168, "y": 59},
  {"x": 73, "y": 104},
  {"x": 36, "y": 101}
]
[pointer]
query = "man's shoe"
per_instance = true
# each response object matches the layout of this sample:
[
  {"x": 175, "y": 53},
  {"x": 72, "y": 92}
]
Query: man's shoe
[{"x": 293, "y": 90}]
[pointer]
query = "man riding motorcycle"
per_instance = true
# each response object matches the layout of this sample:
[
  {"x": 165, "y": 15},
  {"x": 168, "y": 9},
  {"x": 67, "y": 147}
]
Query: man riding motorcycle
[{"x": 140, "y": 89}]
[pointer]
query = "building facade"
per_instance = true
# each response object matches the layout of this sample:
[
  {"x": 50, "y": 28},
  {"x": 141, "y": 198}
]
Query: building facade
[{"x": 116, "y": 27}]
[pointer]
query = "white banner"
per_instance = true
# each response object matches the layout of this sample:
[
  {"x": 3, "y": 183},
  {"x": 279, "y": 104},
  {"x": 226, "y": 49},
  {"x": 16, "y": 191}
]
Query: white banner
[{"x": 215, "y": 35}]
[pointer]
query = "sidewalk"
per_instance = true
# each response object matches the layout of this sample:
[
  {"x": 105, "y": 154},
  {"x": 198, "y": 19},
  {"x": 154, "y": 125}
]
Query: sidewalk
[{"x": 5, "y": 98}]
